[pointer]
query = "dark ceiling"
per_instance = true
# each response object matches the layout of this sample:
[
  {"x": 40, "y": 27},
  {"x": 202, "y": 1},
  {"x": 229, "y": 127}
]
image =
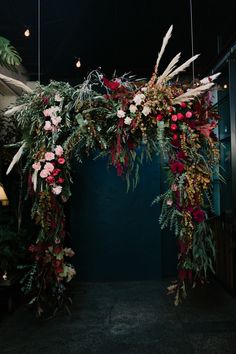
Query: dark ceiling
[{"x": 122, "y": 35}]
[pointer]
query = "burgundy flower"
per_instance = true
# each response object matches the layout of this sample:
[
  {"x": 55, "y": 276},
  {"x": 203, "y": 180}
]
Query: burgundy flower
[
  {"x": 182, "y": 274},
  {"x": 198, "y": 215},
  {"x": 45, "y": 100},
  {"x": 159, "y": 117},
  {"x": 182, "y": 247},
  {"x": 50, "y": 179},
  {"x": 60, "y": 180},
  {"x": 183, "y": 104},
  {"x": 56, "y": 171},
  {"x": 119, "y": 168},
  {"x": 181, "y": 155},
  {"x": 177, "y": 167},
  {"x": 112, "y": 85}
]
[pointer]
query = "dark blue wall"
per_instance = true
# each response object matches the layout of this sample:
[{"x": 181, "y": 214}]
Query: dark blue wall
[{"x": 115, "y": 234}]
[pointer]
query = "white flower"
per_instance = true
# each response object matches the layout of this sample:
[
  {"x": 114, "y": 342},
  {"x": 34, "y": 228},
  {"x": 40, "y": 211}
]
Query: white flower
[
  {"x": 139, "y": 98},
  {"x": 57, "y": 190},
  {"x": 146, "y": 110},
  {"x": 44, "y": 173},
  {"x": 58, "y": 98},
  {"x": 128, "y": 120},
  {"x": 132, "y": 108},
  {"x": 48, "y": 126},
  {"x": 120, "y": 113}
]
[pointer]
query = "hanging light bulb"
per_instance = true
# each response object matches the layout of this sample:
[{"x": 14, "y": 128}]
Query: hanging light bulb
[
  {"x": 78, "y": 63},
  {"x": 3, "y": 197},
  {"x": 27, "y": 32}
]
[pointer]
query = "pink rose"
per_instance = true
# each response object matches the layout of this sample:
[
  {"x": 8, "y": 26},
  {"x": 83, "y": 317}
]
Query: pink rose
[
  {"x": 180, "y": 116},
  {"x": 173, "y": 126},
  {"x": 61, "y": 160},
  {"x": 47, "y": 112},
  {"x": 188, "y": 114},
  {"x": 57, "y": 190},
  {"x": 48, "y": 125},
  {"x": 56, "y": 120},
  {"x": 36, "y": 166},
  {"x": 174, "y": 117},
  {"x": 59, "y": 150},
  {"x": 183, "y": 104},
  {"x": 49, "y": 156},
  {"x": 44, "y": 173},
  {"x": 49, "y": 167}
]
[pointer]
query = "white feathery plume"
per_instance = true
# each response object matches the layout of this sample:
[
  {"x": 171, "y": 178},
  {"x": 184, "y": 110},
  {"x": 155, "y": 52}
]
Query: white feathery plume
[
  {"x": 16, "y": 158},
  {"x": 169, "y": 68},
  {"x": 192, "y": 93},
  {"x": 34, "y": 179},
  {"x": 14, "y": 110},
  {"x": 210, "y": 78},
  {"x": 16, "y": 83},
  {"x": 163, "y": 47},
  {"x": 183, "y": 66}
]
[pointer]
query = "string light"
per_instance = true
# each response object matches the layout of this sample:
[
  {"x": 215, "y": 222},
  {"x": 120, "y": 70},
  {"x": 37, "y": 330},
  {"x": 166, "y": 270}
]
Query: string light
[
  {"x": 4, "y": 277},
  {"x": 225, "y": 86},
  {"x": 78, "y": 63},
  {"x": 27, "y": 32}
]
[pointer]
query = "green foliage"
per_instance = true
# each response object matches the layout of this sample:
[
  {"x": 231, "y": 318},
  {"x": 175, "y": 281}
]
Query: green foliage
[{"x": 9, "y": 57}]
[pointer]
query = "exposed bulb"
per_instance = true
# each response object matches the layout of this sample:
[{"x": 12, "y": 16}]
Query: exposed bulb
[
  {"x": 27, "y": 32},
  {"x": 78, "y": 63},
  {"x": 225, "y": 86},
  {"x": 4, "y": 277}
]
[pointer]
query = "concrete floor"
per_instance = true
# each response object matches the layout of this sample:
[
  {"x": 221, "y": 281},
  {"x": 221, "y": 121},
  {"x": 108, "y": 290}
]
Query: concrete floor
[{"x": 127, "y": 318}]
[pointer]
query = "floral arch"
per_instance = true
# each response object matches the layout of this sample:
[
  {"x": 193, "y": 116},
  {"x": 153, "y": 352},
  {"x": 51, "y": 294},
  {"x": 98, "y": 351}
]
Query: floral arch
[{"x": 116, "y": 116}]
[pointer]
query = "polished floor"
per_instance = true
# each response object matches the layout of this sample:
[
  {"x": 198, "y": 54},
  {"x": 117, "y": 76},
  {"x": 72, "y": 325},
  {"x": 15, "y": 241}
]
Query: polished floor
[{"x": 127, "y": 318}]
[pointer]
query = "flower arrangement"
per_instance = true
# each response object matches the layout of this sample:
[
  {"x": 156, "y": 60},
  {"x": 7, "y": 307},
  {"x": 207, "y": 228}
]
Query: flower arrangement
[{"x": 117, "y": 116}]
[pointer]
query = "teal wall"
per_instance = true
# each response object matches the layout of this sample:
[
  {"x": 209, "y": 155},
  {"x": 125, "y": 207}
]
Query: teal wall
[{"x": 115, "y": 234}]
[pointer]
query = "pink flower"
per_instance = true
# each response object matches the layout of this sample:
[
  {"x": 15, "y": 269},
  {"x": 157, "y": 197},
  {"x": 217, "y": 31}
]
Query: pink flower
[
  {"x": 49, "y": 156},
  {"x": 56, "y": 120},
  {"x": 61, "y": 160},
  {"x": 188, "y": 114},
  {"x": 180, "y": 116},
  {"x": 44, "y": 173},
  {"x": 48, "y": 125},
  {"x": 36, "y": 166},
  {"x": 183, "y": 104},
  {"x": 57, "y": 190},
  {"x": 60, "y": 180},
  {"x": 173, "y": 126},
  {"x": 47, "y": 112},
  {"x": 49, "y": 167},
  {"x": 56, "y": 171},
  {"x": 174, "y": 117},
  {"x": 59, "y": 150},
  {"x": 175, "y": 137}
]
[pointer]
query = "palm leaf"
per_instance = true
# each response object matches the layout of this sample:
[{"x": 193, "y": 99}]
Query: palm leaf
[{"x": 9, "y": 57}]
